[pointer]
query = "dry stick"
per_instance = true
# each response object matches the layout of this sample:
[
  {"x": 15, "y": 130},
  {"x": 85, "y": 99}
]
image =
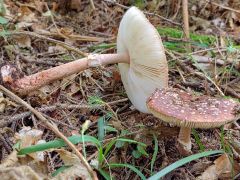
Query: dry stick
[
  {"x": 78, "y": 37},
  {"x": 209, "y": 49},
  {"x": 65, "y": 45},
  {"x": 224, "y": 7},
  {"x": 186, "y": 21},
  {"x": 52, "y": 127},
  {"x": 92, "y": 4}
]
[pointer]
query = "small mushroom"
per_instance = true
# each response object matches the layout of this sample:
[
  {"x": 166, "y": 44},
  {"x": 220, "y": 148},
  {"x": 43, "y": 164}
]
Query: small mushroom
[
  {"x": 191, "y": 111},
  {"x": 140, "y": 54}
]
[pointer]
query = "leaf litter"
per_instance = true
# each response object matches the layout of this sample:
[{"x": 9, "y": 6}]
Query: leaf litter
[{"x": 76, "y": 25}]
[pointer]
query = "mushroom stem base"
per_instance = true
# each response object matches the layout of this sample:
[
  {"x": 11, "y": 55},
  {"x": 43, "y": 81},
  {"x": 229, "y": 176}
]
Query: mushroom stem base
[{"x": 184, "y": 139}]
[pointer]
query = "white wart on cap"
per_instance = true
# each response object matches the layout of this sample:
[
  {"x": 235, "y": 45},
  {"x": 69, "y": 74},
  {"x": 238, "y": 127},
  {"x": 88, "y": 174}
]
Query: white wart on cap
[
  {"x": 148, "y": 67},
  {"x": 186, "y": 110}
]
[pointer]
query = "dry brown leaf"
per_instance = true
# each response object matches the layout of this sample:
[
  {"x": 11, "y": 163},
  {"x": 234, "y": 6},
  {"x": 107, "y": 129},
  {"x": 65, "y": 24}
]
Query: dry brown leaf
[
  {"x": 26, "y": 15},
  {"x": 77, "y": 169},
  {"x": 75, "y": 5},
  {"x": 19, "y": 173},
  {"x": 23, "y": 41},
  {"x": 14, "y": 167},
  {"x": 230, "y": 174},
  {"x": 11, "y": 160},
  {"x": 200, "y": 166},
  {"x": 221, "y": 165},
  {"x": 28, "y": 137}
]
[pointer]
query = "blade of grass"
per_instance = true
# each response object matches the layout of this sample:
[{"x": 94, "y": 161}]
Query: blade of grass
[
  {"x": 109, "y": 146},
  {"x": 154, "y": 153},
  {"x": 130, "y": 167},
  {"x": 104, "y": 174},
  {"x": 58, "y": 143},
  {"x": 131, "y": 141},
  {"x": 101, "y": 128},
  {"x": 181, "y": 162},
  {"x": 59, "y": 170}
]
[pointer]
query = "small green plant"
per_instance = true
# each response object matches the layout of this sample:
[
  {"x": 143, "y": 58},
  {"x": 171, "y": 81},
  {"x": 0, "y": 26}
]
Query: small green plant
[
  {"x": 103, "y": 151},
  {"x": 199, "y": 40},
  {"x": 96, "y": 100},
  {"x": 198, "y": 141},
  {"x": 139, "y": 3}
]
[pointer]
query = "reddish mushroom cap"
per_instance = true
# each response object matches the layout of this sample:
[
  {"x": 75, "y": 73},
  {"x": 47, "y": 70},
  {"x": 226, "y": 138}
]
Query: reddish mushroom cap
[{"x": 186, "y": 110}]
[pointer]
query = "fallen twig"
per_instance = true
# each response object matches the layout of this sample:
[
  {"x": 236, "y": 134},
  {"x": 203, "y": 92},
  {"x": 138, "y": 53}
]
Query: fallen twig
[
  {"x": 224, "y": 7},
  {"x": 92, "y": 4},
  {"x": 186, "y": 21},
  {"x": 65, "y": 45}
]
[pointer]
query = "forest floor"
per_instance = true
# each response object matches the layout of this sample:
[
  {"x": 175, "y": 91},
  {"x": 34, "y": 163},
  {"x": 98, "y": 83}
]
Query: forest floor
[{"x": 131, "y": 139}]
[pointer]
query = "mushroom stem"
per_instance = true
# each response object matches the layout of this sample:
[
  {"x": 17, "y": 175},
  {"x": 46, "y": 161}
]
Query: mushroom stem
[
  {"x": 184, "y": 138},
  {"x": 35, "y": 81}
]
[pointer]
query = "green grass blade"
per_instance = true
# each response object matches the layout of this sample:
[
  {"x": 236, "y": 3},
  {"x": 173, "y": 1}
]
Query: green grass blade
[
  {"x": 102, "y": 46},
  {"x": 110, "y": 129},
  {"x": 131, "y": 141},
  {"x": 154, "y": 153},
  {"x": 108, "y": 147},
  {"x": 181, "y": 162},
  {"x": 104, "y": 174},
  {"x": 101, "y": 157},
  {"x": 58, "y": 143},
  {"x": 59, "y": 170},
  {"x": 130, "y": 167},
  {"x": 101, "y": 128}
]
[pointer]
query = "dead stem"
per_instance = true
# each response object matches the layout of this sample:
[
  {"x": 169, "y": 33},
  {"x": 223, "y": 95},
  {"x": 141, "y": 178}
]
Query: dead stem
[
  {"x": 186, "y": 21},
  {"x": 65, "y": 45},
  {"x": 92, "y": 4}
]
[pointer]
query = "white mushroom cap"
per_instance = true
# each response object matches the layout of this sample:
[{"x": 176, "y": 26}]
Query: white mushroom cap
[{"x": 148, "y": 67}]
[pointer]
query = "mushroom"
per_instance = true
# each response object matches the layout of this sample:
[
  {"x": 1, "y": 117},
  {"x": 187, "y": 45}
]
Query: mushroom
[
  {"x": 148, "y": 68},
  {"x": 140, "y": 54},
  {"x": 191, "y": 111}
]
